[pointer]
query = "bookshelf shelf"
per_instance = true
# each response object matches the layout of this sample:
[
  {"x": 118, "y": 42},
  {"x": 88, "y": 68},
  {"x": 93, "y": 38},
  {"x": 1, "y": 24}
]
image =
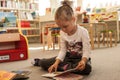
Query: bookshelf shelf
[
  {"x": 26, "y": 9},
  {"x": 32, "y": 35},
  {"x": 8, "y": 8}
]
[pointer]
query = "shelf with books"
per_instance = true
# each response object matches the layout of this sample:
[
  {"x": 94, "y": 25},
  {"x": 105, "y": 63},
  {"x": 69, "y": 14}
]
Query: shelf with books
[
  {"x": 30, "y": 29},
  {"x": 28, "y": 20},
  {"x": 30, "y": 32},
  {"x": 18, "y": 4}
]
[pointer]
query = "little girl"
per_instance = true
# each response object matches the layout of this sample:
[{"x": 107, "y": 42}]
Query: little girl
[{"x": 75, "y": 45}]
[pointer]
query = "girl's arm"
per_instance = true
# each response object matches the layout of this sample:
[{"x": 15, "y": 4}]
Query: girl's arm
[
  {"x": 86, "y": 45},
  {"x": 62, "y": 52}
]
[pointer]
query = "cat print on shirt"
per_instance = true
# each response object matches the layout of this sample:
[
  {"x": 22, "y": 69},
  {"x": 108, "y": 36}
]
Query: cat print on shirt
[{"x": 74, "y": 47}]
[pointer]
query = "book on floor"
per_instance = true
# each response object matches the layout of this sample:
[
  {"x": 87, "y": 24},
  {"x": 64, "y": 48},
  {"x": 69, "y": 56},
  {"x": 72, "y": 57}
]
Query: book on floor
[
  {"x": 21, "y": 74},
  {"x": 14, "y": 75},
  {"x": 65, "y": 75},
  {"x": 5, "y": 75}
]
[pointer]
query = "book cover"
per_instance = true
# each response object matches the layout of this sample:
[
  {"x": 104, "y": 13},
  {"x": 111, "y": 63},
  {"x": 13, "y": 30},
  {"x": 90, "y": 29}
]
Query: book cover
[{"x": 5, "y": 75}]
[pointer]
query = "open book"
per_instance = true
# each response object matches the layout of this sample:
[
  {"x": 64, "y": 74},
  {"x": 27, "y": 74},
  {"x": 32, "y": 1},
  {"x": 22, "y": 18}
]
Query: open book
[
  {"x": 65, "y": 75},
  {"x": 69, "y": 76}
]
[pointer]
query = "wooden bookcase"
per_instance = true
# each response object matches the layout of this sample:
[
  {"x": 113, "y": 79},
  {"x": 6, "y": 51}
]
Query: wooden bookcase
[{"x": 26, "y": 12}]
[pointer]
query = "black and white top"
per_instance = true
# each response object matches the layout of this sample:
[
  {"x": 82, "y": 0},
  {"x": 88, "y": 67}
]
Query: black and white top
[{"x": 78, "y": 43}]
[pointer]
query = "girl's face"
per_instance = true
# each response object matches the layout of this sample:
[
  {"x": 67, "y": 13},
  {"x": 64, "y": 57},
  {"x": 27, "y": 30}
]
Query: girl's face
[{"x": 67, "y": 26}]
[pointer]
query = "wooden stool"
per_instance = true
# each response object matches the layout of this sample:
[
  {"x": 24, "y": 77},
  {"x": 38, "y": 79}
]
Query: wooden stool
[
  {"x": 47, "y": 37},
  {"x": 107, "y": 37},
  {"x": 102, "y": 37},
  {"x": 49, "y": 40}
]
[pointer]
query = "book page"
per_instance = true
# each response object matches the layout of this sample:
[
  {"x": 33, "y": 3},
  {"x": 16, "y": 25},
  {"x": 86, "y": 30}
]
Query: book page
[
  {"x": 49, "y": 75},
  {"x": 55, "y": 74}
]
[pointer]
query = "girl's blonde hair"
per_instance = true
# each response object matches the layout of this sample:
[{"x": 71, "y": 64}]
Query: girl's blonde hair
[{"x": 64, "y": 12}]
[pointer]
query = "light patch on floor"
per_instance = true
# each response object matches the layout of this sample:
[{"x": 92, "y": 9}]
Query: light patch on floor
[{"x": 41, "y": 48}]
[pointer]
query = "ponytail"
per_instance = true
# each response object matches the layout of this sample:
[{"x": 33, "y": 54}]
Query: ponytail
[{"x": 64, "y": 12}]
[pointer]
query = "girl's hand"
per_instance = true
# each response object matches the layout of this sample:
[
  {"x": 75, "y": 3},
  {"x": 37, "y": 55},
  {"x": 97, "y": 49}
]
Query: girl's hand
[
  {"x": 81, "y": 65},
  {"x": 53, "y": 68}
]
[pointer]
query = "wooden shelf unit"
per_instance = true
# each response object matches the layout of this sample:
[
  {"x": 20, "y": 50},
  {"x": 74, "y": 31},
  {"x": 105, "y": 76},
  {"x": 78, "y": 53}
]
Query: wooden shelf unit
[{"x": 23, "y": 10}]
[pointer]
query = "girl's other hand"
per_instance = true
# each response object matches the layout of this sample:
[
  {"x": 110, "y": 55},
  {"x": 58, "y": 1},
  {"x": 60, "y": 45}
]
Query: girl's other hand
[{"x": 81, "y": 65}]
